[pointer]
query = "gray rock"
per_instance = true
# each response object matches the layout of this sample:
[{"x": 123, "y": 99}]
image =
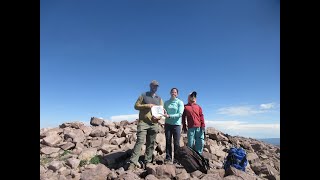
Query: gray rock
[
  {"x": 54, "y": 155},
  {"x": 42, "y": 169},
  {"x": 99, "y": 173},
  {"x": 151, "y": 169},
  {"x": 124, "y": 123},
  {"x": 151, "y": 177},
  {"x": 87, "y": 154},
  {"x": 86, "y": 130},
  {"x": 236, "y": 172},
  {"x": 97, "y": 133},
  {"x": 128, "y": 176},
  {"x": 112, "y": 175},
  {"x": 108, "y": 123},
  {"x": 55, "y": 165},
  {"x": 118, "y": 141},
  {"x": 48, "y": 132},
  {"x": 211, "y": 176},
  {"x": 68, "y": 146},
  {"x": 96, "y": 121},
  {"x": 252, "y": 157},
  {"x": 52, "y": 139},
  {"x": 233, "y": 177},
  {"x": 75, "y": 125},
  {"x": 167, "y": 171},
  {"x": 107, "y": 148},
  {"x": 113, "y": 130},
  {"x": 76, "y": 135},
  {"x": 49, "y": 150},
  {"x": 258, "y": 146},
  {"x": 183, "y": 175},
  {"x": 246, "y": 145},
  {"x": 65, "y": 172},
  {"x": 95, "y": 143},
  {"x": 91, "y": 166},
  {"x": 73, "y": 162},
  {"x": 126, "y": 132},
  {"x": 220, "y": 172},
  {"x": 197, "y": 174}
]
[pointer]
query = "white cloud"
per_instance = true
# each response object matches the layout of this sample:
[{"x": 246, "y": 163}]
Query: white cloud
[
  {"x": 247, "y": 110},
  {"x": 268, "y": 106},
  {"x": 240, "y": 128},
  {"x": 238, "y": 111},
  {"x": 129, "y": 117}
]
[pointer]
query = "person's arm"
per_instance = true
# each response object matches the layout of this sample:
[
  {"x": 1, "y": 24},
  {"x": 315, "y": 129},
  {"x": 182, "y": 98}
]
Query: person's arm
[
  {"x": 165, "y": 108},
  {"x": 180, "y": 111},
  {"x": 184, "y": 126},
  {"x": 161, "y": 102},
  {"x": 139, "y": 106},
  {"x": 201, "y": 118}
]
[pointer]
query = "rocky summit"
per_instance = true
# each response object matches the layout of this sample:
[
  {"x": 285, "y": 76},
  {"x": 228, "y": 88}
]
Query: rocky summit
[{"x": 101, "y": 151}]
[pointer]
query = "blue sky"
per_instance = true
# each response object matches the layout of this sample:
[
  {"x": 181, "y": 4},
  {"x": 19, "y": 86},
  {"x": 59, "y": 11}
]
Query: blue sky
[{"x": 97, "y": 57}]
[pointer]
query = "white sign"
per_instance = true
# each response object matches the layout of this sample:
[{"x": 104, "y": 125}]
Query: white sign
[{"x": 157, "y": 111}]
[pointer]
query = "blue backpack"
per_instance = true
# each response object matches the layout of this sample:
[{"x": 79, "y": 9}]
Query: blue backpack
[{"x": 237, "y": 158}]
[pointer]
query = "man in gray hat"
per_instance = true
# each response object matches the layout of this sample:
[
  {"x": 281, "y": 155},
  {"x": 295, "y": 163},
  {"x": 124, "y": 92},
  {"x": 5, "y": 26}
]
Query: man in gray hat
[{"x": 147, "y": 125}]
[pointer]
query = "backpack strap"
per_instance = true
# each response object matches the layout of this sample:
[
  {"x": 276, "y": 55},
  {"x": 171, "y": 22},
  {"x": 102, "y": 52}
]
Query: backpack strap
[{"x": 204, "y": 160}]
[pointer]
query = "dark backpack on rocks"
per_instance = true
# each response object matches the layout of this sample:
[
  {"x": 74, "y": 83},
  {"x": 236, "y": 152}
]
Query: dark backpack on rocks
[{"x": 191, "y": 160}]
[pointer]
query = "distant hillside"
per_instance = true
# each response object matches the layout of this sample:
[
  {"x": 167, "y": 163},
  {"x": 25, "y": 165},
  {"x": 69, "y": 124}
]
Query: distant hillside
[{"x": 274, "y": 141}]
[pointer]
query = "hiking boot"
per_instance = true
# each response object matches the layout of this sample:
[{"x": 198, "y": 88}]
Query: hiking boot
[
  {"x": 167, "y": 161},
  {"x": 175, "y": 162}
]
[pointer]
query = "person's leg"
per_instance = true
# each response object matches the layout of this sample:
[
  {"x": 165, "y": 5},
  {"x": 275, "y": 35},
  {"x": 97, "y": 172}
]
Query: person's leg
[
  {"x": 199, "y": 140},
  {"x": 151, "y": 139},
  {"x": 176, "y": 137},
  {"x": 141, "y": 135},
  {"x": 191, "y": 136},
  {"x": 168, "y": 134}
]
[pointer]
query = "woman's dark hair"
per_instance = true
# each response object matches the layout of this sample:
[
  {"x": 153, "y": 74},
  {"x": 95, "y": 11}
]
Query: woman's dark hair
[{"x": 175, "y": 89}]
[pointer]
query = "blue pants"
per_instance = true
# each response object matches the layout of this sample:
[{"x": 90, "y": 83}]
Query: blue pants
[
  {"x": 196, "y": 138},
  {"x": 175, "y": 131}
]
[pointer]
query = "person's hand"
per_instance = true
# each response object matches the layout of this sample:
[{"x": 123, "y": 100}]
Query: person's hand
[
  {"x": 150, "y": 105},
  {"x": 165, "y": 111},
  {"x": 166, "y": 115},
  {"x": 155, "y": 119}
]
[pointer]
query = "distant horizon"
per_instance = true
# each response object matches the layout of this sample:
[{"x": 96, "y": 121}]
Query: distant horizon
[
  {"x": 97, "y": 57},
  {"x": 274, "y": 141},
  {"x": 87, "y": 123}
]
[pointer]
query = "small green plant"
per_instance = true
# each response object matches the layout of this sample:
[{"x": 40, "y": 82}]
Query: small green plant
[
  {"x": 83, "y": 162},
  {"x": 45, "y": 160},
  {"x": 63, "y": 156},
  {"x": 95, "y": 160},
  {"x": 65, "y": 152}
]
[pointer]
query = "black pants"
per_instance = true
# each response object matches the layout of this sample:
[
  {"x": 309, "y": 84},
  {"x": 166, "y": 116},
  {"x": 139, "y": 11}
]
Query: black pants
[{"x": 175, "y": 131}]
